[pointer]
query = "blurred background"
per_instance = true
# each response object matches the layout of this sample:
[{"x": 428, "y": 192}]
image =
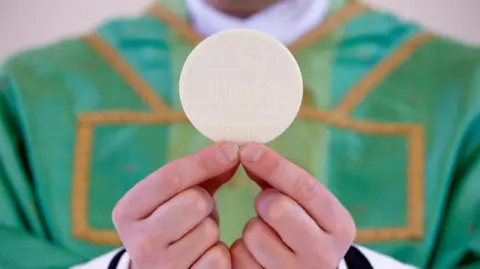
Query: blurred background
[{"x": 30, "y": 23}]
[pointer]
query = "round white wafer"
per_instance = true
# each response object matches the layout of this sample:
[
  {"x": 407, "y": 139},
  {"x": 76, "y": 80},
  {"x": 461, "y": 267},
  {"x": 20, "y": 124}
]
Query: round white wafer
[{"x": 241, "y": 86}]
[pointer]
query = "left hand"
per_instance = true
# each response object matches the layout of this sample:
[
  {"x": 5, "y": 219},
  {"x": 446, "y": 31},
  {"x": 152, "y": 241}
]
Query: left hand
[{"x": 300, "y": 225}]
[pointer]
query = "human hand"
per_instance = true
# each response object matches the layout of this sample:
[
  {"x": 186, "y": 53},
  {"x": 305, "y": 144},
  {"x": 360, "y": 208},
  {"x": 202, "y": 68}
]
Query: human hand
[
  {"x": 300, "y": 225},
  {"x": 164, "y": 222}
]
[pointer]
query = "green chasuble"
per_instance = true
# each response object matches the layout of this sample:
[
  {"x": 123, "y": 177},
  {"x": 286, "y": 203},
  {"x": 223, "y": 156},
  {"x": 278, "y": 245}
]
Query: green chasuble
[{"x": 390, "y": 123}]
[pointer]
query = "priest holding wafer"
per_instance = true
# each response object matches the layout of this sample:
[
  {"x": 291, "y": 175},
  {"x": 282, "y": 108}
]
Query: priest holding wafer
[{"x": 243, "y": 134}]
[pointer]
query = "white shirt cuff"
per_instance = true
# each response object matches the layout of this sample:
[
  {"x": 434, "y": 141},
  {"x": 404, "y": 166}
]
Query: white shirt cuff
[
  {"x": 378, "y": 260},
  {"x": 103, "y": 262}
]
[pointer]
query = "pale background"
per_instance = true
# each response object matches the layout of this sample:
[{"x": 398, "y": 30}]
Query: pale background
[{"x": 31, "y": 23}]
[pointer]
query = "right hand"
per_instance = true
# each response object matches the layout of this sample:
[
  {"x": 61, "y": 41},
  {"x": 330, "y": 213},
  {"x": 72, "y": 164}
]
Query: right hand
[{"x": 164, "y": 221}]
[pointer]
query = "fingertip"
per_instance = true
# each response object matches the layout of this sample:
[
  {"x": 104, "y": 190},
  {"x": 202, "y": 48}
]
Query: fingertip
[
  {"x": 217, "y": 256},
  {"x": 241, "y": 257},
  {"x": 228, "y": 152},
  {"x": 201, "y": 198},
  {"x": 223, "y": 248},
  {"x": 237, "y": 244},
  {"x": 251, "y": 152},
  {"x": 237, "y": 249},
  {"x": 210, "y": 229},
  {"x": 214, "y": 215},
  {"x": 224, "y": 259},
  {"x": 251, "y": 229}
]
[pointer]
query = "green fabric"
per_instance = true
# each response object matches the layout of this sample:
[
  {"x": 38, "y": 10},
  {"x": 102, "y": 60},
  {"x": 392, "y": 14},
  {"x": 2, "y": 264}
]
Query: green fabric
[
  {"x": 21, "y": 250},
  {"x": 24, "y": 240},
  {"x": 460, "y": 230},
  {"x": 70, "y": 75},
  {"x": 444, "y": 100},
  {"x": 13, "y": 173},
  {"x": 46, "y": 92}
]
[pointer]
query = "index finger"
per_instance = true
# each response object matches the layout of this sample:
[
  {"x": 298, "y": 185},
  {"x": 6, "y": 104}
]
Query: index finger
[
  {"x": 293, "y": 181},
  {"x": 175, "y": 177}
]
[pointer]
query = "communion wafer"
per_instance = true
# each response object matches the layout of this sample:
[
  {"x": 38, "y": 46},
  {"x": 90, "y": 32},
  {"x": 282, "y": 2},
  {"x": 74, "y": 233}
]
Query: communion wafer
[{"x": 241, "y": 86}]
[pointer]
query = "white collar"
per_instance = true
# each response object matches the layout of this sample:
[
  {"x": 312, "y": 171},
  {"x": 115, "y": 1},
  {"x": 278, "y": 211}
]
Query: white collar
[{"x": 287, "y": 20}]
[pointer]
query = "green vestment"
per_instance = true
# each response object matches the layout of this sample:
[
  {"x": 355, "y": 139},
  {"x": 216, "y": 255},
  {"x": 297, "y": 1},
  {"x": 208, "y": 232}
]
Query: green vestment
[{"x": 390, "y": 123}]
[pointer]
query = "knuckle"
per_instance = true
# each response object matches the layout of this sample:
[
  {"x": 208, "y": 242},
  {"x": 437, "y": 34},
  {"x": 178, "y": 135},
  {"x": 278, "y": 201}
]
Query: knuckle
[
  {"x": 321, "y": 250},
  {"x": 140, "y": 249},
  {"x": 347, "y": 229},
  {"x": 223, "y": 261},
  {"x": 172, "y": 182},
  {"x": 203, "y": 166},
  {"x": 274, "y": 168},
  {"x": 329, "y": 263},
  {"x": 200, "y": 199},
  {"x": 277, "y": 207},
  {"x": 305, "y": 186},
  {"x": 251, "y": 230},
  {"x": 254, "y": 236},
  {"x": 169, "y": 262},
  {"x": 237, "y": 247},
  {"x": 210, "y": 229},
  {"x": 119, "y": 214},
  {"x": 324, "y": 259},
  {"x": 342, "y": 223},
  {"x": 220, "y": 258}
]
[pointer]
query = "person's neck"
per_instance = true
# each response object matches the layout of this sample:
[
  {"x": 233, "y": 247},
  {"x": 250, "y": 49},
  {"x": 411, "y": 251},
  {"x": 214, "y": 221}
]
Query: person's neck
[{"x": 241, "y": 9}]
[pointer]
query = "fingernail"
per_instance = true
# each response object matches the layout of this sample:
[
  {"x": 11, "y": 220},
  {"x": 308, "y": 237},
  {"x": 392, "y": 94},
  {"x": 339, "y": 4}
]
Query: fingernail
[
  {"x": 229, "y": 152},
  {"x": 251, "y": 152}
]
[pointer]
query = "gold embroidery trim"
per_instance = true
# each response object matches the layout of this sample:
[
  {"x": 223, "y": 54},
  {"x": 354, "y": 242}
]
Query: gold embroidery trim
[
  {"x": 415, "y": 171},
  {"x": 81, "y": 178},
  {"x": 161, "y": 13},
  {"x": 351, "y": 10},
  {"x": 137, "y": 83},
  {"x": 416, "y": 199},
  {"x": 356, "y": 95},
  {"x": 161, "y": 114},
  {"x": 413, "y": 132}
]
